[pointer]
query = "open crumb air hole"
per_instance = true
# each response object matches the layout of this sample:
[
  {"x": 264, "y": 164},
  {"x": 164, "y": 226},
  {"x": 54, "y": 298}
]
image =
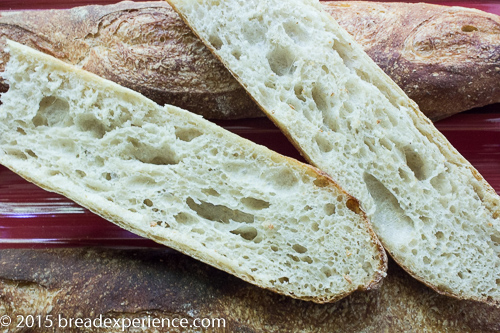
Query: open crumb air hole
[
  {"x": 219, "y": 213},
  {"x": 246, "y": 232}
]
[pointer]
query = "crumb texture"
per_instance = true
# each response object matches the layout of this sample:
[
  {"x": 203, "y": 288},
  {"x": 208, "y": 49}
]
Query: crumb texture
[
  {"x": 169, "y": 175},
  {"x": 432, "y": 211}
]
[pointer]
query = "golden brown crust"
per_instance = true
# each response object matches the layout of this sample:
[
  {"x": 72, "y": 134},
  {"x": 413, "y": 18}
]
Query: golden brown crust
[
  {"x": 128, "y": 43},
  {"x": 163, "y": 283}
]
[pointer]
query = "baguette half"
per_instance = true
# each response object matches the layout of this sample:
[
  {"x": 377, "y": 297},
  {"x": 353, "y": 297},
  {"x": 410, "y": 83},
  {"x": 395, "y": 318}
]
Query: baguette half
[
  {"x": 430, "y": 208},
  {"x": 169, "y": 175}
]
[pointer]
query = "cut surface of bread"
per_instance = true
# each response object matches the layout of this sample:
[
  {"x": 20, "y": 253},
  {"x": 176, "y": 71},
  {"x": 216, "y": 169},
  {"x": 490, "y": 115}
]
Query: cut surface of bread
[
  {"x": 169, "y": 175},
  {"x": 430, "y": 208}
]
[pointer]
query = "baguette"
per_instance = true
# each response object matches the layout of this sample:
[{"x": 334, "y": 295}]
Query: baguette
[
  {"x": 169, "y": 175},
  {"x": 164, "y": 284},
  {"x": 430, "y": 208},
  {"x": 445, "y": 58}
]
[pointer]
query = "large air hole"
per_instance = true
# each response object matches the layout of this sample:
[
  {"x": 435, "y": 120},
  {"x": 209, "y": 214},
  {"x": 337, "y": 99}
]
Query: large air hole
[
  {"x": 236, "y": 54},
  {"x": 210, "y": 192},
  {"x": 147, "y": 153},
  {"x": 299, "y": 92},
  {"x": 88, "y": 123},
  {"x": 187, "y": 134},
  {"x": 215, "y": 41},
  {"x": 80, "y": 173},
  {"x": 389, "y": 219},
  {"x": 162, "y": 160},
  {"x": 31, "y": 153},
  {"x": 246, "y": 232},
  {"x": 307, "y": 259},
  {"x": 285, "y": 178},
  {"x": 156, "y": 160},
  {"x": 321, "y": 182},
  {"x": 324, "y": 145},
  {"x": 330, "y": 209},
  {"x": 319, "y": 97},
  {"x": 299, "y": 248},
  {"x": 327, "y": 271},
  {"x": 218, "y": 213},
  {"x": 140, "y": 180},
  {"x": 441, "y": 183},
  {"x": 495, "y": 239},
  {"x": 367, "y": 267},
  {"x": 416, "y": 163},
  {"x": 283, "y": 280},
  {"x": 281, "y": 60},
  {"x": 254, "y": 203},
  {"x": 370, "y": 143},
  {"x": 52, "y": 111},
  {"x": 439, "y": 235},
  {"x": 184, "y": 218}
]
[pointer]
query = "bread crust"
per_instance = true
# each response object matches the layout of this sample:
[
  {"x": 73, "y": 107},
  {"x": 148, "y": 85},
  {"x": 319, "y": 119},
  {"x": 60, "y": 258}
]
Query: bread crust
[
  {"x": 162, "y": 283},
  {"x": 421, "y": 47}
]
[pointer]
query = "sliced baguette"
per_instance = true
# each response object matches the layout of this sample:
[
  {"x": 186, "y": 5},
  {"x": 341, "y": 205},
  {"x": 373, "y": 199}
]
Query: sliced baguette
[
  {"x": 169, "y": 175},
  {"x": 431, "y": 209}
]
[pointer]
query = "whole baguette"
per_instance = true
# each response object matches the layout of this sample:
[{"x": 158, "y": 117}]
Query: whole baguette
[
  {"x": 170, "y": 175},
  {"x": 447, "y": 59},
  {"x": 164, "y": 284},
  {"x": 433, "y": 212}
]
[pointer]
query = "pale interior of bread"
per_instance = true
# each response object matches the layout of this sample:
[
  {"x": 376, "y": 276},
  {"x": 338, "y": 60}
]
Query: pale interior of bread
[
  {"x": 178, "y": 179},
  {"x": 431, "y": 209}
]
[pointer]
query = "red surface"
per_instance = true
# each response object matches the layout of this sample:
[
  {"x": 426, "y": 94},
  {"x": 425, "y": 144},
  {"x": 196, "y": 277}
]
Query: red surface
[{"x": 32, "y": 217}]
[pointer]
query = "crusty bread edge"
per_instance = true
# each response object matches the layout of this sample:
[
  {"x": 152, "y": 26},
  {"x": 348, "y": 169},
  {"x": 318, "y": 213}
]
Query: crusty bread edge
[
  {"x": 219, "y": 261},
  {"x": 438, "y": 138}
]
